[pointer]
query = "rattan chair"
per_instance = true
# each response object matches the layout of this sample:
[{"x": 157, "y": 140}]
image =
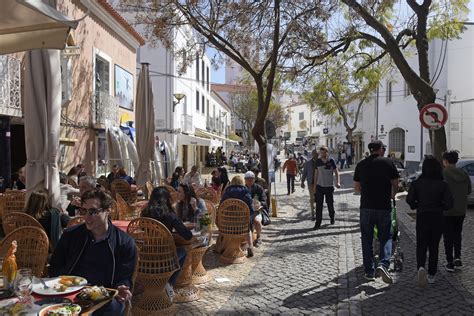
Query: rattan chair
[
  {"x": 76, "y": 221},
  {"x": 148, "y": 189},
  {"x": 14, "y": 220},
  {"x": 32, "y": 251},
  {"x": 72, "y": 183},
  {"x": 14, "y": 201},
  {"x": 125, "y": 211},
  {"x": 233, "y": 222},
  {"x": 104, "y": 184},
  {"x": 173, "y": 193},
  {"x": 208, "y": 194},
  {"x": 123, "y": 188},
  {"x": 158, "y": 260}
]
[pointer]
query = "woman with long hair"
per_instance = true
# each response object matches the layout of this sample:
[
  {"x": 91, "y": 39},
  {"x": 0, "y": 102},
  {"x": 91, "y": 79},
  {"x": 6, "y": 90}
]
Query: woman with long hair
[
  {"x": 189, "y": 206},
  {"x": 52, "y": 220},
  {"x": 223, "y": 177},
  {"x": 430, "y": 196},
  {"x": 177, "y": 177}
]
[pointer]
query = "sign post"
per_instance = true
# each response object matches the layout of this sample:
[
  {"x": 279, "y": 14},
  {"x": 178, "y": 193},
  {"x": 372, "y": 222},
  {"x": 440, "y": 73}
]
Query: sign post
[{"x": 433, "y": 116}]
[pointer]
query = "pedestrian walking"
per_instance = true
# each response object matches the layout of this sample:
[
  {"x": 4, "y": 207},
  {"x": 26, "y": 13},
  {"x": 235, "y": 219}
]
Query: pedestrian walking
[
  {"x": 343, "y": 160},
  {"x": 430, "y": 196},
  {"x": 323, "y": 185},
  {"x": 291, "y": 167},
  {"x": 460, "y": 185},
  {"x": 376, "y": 178},
  {"x": 308, "y": 175}
]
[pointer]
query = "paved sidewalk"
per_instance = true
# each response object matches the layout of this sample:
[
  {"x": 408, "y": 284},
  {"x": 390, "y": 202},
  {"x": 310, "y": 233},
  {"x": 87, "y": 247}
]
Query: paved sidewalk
[{"x": 301, "y": 271}]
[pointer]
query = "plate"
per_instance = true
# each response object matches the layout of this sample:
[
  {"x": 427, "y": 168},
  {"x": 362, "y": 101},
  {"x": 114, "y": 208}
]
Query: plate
[
  {"x": 54, "y": 285},
  {"x": 44, "y": 311}
]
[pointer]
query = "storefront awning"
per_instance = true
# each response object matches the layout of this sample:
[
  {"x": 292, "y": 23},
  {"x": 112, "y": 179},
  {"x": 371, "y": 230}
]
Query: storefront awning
[
  {"x": 203, "y": 133},
  {"x": 184, "y": 139}
]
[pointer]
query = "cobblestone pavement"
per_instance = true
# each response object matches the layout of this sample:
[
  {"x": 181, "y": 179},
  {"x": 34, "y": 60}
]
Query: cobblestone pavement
[{"x": 300, "y": 271}]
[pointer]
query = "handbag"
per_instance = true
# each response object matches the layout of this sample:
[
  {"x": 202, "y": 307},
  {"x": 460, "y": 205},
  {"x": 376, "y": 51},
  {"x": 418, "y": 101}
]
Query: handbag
[{"x": 265, "y": 217}]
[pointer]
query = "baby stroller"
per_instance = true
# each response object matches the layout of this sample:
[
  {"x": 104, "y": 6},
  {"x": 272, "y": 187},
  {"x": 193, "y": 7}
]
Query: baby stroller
[{"x": 396, "y": 260}]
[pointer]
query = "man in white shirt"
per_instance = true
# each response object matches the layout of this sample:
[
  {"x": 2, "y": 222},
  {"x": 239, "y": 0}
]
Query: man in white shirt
[{"x": 193, "y": 176}]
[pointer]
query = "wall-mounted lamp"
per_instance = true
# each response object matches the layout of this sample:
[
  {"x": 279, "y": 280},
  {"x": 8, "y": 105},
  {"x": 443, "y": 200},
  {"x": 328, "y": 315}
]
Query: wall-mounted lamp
[
  {"x": 382, "y": 129},
  {"x": 178, "y": 97}
]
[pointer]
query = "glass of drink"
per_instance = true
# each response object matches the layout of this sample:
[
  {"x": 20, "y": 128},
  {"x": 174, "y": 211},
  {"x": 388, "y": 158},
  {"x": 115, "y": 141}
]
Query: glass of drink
[{"x": 23, "y": 285}]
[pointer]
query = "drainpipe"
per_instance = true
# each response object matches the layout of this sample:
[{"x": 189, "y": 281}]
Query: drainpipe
[{"x": 377, "y": 114}]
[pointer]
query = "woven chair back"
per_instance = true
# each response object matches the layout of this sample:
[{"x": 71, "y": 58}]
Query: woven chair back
[
  {"x": 104, "y": 184},
  {"x": 14, "y": 202},
  {"x": 32, "y": 251},
  {"x": 72, "y": 183},
  {"x": 76, "y": 221},
  {"x": 124, "y": 210},
  {"x": 149, "y": 188},
  {"x": 173, "y": 193},
  {"x": 234, "y": 217},
  {"x": 208, "y": 194},
  {"x": 156, "y": 248},
  {"x": 14, "y": 220},
  {"x": 123, "y": 188}
]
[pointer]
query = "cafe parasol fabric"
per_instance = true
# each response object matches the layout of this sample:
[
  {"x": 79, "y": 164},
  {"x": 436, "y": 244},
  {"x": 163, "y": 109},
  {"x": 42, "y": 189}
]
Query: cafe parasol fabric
[
  {"x": 42, "y": 112},
  {"x": 32, "y": 24},
  {"x": 145, "y": 126}
]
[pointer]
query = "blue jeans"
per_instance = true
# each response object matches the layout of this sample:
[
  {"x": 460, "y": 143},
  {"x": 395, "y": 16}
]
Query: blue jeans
[
  {"x": 181, "y": 257},
  {"x": 369, "y": 218}
]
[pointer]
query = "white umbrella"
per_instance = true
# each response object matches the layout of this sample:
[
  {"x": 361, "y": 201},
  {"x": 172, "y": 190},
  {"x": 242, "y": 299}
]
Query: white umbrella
[
  {"x": 113, "y": 147},
  {"x": 32, "y": 24},
  {"x": 42, "y": 119},
  {"x": 145, "y": 126}
]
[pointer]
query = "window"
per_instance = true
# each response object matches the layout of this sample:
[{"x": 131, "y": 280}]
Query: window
[
  {"x": 207, "y": 76},
  {"x": 301, "y": 116},
  {"x": 411, "y": 149},
  {"x": 203, "y": 104},
  {"x": 389, "y": 91},
  {"x": 207, "y": 107},
  {"x": 197, "y": 101},
  {"x": 406, "y": 89},
  {"x": 203, "y": 72},
  {"x": 396, "y": 141},
  {"x": 102, "y": 75},
  {"x": 197, "y": 67},
  {"x": 469, "y": 169}
]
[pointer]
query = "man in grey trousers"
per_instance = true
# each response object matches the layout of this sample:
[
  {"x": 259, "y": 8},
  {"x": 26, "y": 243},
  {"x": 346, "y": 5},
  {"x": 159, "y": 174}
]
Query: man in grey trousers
[{"x": 308, "y": 175}]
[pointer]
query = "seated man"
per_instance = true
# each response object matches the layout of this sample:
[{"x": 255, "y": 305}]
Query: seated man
[
  {"x": 258, "y": 195},
  {"x": 97, "y": 251},
  {"x": 85, "y": 184},
  {"x": 193, "y": 176}
]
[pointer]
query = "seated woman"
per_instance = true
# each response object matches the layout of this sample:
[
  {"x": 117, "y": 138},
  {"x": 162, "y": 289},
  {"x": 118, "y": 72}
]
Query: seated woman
[
  {"x": 223, "y": 177},
  {"x": 52, "y": 220},
  {"x": 215, "y": 181},
  {"x": 238, "y": 190},
  {"x": 159, "y": 207},
  {"x": 73, "y": 174},
  {"x": 122, "y": 174},
  {"x": 189, "y": 206},
  {"x": 177, "y": 177}
]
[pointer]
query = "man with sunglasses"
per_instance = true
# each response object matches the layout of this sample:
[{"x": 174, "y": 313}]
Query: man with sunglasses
[{"x": 97, "y": 251}]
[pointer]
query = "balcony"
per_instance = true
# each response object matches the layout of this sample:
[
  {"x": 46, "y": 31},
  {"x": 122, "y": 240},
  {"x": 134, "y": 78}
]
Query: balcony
[
  {"x": 10, "y": 91},
  {"x": 105, "y": 110},
  {"x": 187, "y": 124}
]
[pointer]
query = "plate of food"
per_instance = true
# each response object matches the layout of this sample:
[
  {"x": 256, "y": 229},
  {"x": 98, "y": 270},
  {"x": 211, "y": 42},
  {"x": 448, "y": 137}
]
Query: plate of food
[
  {"x": 95, "y": 294},
  {"x": 61, "y": 310},
  {"x": 61, "y": 285}
]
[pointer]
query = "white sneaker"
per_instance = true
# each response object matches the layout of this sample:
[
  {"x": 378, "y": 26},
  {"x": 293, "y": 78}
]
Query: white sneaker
[
  {"x": 422, "y": 279},
  {"x": 431, "y": 279}
]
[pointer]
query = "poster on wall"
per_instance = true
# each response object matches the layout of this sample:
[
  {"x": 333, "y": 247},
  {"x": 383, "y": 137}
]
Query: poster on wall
[{"x": 124, "y": 88}]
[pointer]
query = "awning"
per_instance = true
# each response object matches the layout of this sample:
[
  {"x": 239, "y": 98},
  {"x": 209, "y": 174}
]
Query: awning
[
  {"x": 203, "y": 133},
  {"x": 184, "y": 139}
]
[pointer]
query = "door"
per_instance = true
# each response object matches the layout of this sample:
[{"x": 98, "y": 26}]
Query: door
[
  {"x": 396, "y": 143},
  {"x": 185, "y": 157}
]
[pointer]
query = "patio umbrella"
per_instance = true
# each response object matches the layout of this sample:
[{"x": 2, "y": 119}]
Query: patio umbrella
[
  {"x": 42, "y": 119},
  {"x": 145, "y": 129},
  {"x": 32, "y": 24},
  {"x": 113, "y": 147}
]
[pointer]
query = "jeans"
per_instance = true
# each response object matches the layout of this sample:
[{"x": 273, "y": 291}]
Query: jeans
[
  {"x": 342, "y": 163},
  {"x": 114, "y": 308},
  {"x": 429, "y": 228},
  {"x": 290, "y": 183},
  {"x": 369, "y": 218},
  {"x": 181, "y": 257},
  {"x": 311, "y": 198},
  {"x": 322, "y": 192},
  {"x": 452, "y": 235}
]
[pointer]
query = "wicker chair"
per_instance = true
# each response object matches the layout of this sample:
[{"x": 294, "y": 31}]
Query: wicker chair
[
  {"x": 104, "y": 184},
  {"x": 233, "y": 222},
  {"x": 158, "y": 260},
  {"x": 72, "y": 183},
  {"x": 123, "y": 188},
  {"x": 76, "y": 221},
  {"x": 173, "y": 193},
  {"x": 14, "y": 201},
  {"x": 148, "y": 189},
  {"x": 14, "y": 220},
  {"x": 125, "y": 211},
  {"x": 208, "y": 194},
  {"x": 33, "y": 246}
]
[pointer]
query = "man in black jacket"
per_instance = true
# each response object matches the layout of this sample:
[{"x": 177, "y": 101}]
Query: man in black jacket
[{"x": 97, "y": 251}]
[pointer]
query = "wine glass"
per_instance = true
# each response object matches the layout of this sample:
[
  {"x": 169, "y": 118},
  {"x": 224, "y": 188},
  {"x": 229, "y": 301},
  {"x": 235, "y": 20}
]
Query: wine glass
[{"x": 23, "y": 285}]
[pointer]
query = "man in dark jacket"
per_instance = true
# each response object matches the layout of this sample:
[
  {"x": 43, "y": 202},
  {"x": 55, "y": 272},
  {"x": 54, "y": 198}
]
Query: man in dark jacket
[
  {"x": 460, "y": 186},
  {"x": 308, "y": 175},
  {"x": 97, "y": 251}
]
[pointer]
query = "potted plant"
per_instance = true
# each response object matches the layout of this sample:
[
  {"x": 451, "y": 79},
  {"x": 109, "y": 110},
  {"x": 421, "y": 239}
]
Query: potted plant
[{"x": 204, "y": 222}]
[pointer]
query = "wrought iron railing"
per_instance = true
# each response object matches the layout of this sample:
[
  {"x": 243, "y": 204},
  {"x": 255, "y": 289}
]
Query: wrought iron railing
[
  {"x": 10, "y": 90},
  {"x": 105, "y": 109},
  {"x": 187, "y": 123}
]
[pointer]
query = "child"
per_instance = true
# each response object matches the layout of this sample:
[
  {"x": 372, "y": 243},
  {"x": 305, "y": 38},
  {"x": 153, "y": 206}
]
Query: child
[{"x": 430, "y": 196}]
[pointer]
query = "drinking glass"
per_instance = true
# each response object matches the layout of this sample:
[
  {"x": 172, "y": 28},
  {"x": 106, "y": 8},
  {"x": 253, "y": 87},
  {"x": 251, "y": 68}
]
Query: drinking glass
[{"x": 23, "y": 285}]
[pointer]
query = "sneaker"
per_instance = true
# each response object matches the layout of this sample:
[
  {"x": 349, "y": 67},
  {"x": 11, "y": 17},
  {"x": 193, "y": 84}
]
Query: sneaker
[
  {"x": 422, "y": 280},
  {"x": 369, "y": 277},
  {"x": 316, "y": 226},
  {"x": 333, "y": 221},
  {"x": 449, "y": 267},
  {"x": 457, "y": 264},
  {"x": 431, "y": 279},
  {"x": 169, "y": 292},
  {"x": 249, "y": 253},
  {"x": 257, "y": 242},
  {"x": 383, "y": 273}
]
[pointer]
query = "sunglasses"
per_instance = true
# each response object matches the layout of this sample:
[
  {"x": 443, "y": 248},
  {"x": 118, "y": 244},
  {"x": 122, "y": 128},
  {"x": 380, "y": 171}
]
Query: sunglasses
[{"x": 91, "y": 211}]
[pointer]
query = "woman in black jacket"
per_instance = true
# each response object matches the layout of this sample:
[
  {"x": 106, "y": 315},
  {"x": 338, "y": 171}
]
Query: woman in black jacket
[
  {"x": 159, "y": 208},
  {"x": 430, "y": 196}
]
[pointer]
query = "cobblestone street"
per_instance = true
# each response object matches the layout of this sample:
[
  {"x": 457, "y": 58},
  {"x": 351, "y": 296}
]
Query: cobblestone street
[{"x": 301, "y": 271}]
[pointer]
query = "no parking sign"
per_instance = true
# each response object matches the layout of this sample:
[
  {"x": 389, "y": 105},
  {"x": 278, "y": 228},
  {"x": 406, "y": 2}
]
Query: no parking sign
[{"x": 433, "y": 116}]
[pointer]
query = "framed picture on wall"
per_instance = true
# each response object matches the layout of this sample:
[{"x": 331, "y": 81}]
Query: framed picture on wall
[{"x": 124, "y": 88}]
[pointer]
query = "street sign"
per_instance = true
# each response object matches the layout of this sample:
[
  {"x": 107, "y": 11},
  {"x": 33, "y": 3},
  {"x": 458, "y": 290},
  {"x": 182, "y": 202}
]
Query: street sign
[
  {"x": 325, "y": 131},
  {"x": 433, "y": 116}
]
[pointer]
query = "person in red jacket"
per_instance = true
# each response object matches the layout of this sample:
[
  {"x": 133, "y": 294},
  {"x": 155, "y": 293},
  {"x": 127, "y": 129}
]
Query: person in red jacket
[{"x": 291, "y": 167}]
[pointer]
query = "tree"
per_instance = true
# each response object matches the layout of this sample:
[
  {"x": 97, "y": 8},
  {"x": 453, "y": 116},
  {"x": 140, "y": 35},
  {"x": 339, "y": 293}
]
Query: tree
[
  {"x": 260, "y": 36},
  {"x": 340, "y": 84},
  {"x": 373, "y": 21}
]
